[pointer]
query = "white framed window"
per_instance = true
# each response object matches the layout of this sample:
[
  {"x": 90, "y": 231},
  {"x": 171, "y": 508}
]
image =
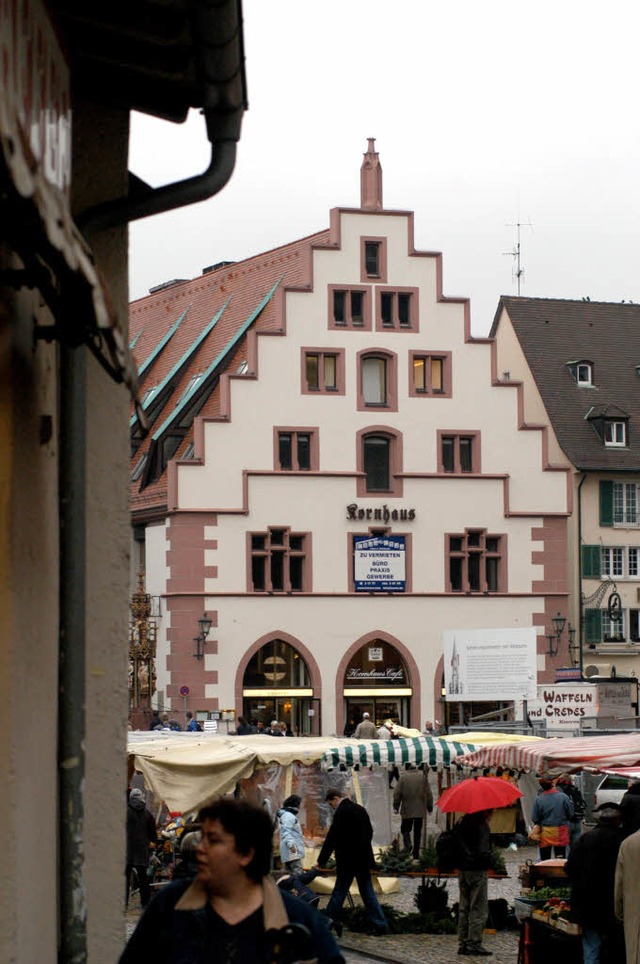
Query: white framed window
[
  {"x": 613, "y": 630},
  {"x": 625, "y": 503},
  {"x": 615, "y": 433},
  {"x": 612, "y": 563},
  {"x": 634, "y": 562},
  {"x": 584, "y": 373}
]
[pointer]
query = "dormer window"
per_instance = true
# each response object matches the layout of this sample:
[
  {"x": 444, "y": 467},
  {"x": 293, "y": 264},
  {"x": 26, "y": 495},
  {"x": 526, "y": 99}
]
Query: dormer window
[
  {"x": 582, "y": 371},
  {"x": 615, "y": 433}
]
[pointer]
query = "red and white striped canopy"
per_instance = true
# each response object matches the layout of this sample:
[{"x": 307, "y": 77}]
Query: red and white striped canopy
[{"x": 559, "y": 756}]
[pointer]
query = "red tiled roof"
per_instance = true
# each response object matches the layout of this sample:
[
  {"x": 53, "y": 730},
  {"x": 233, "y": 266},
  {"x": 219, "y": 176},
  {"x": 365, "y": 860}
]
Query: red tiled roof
[{"x": 245, "y": 283}]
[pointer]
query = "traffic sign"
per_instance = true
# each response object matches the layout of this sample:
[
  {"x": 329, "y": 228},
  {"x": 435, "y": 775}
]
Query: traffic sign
[{"x": 184, "y": 691}]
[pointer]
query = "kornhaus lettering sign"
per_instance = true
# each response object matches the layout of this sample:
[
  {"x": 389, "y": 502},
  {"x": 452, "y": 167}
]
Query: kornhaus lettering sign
[
  {"x": 391, "y": 674},
  {"x": 564, "y": 705},
  {"x": 380, "y": 513},
  {"x": 379, "y": 563}
]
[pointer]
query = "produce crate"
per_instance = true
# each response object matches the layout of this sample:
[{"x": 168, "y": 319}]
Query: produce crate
[
  {"x": 567, "y": 926},
  {"x": 524, "y": 907}
]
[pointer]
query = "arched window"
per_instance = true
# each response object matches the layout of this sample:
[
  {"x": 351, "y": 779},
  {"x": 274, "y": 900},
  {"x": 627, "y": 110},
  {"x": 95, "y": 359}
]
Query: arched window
[{"x": 276, "y": 665}]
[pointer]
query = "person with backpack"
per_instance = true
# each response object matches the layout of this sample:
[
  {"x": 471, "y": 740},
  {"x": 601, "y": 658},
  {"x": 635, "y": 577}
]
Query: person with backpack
[{"x": 291, "y": 841}]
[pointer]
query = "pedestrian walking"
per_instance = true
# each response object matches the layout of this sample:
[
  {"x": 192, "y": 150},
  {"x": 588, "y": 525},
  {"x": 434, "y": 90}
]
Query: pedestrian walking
[
  {"x": 475, "y": 859},
  {"x": 630, "y": 804},
  {"x": 350, "y": 836},
  {"x": 141, "y": 832},
  {"x": 366, "y": 730},
  {"x": 565, "y": 784},
  {"x": 627, "y": 894},
  {"x": 192, "y": 724},
  {"x": 552, "y": 811},
  {"x": 591, "y": 868},
  {"x": 412, "y": 799}
]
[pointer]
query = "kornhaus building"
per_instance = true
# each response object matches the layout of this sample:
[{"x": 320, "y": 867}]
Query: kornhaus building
[{"x": 336, "y": 474}]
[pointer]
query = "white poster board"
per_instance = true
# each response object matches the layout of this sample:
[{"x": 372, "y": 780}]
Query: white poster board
[{"x": 490, "y": 664}]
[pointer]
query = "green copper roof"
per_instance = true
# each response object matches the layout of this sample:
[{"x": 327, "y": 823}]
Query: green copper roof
[
  {"x": 216, "y": 362},
  {"x": 160, "y": 346},
  {"x": 185, "y": 358}
]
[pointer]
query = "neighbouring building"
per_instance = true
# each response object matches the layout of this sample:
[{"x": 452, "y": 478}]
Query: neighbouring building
[
  {"x": 335, "y": 475},
  {"x": 71, "y": 73},
  {"x": 579, "y": 367}
]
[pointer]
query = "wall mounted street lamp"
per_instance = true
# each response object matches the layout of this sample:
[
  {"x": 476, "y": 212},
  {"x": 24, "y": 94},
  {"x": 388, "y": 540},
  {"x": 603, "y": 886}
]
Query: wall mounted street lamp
[
  {"x": 199, "y": 640},
  {"x": 555, "y": 638}
]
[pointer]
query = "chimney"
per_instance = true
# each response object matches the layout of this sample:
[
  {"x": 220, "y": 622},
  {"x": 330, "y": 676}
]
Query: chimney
[{"x": 371, "y": 180}]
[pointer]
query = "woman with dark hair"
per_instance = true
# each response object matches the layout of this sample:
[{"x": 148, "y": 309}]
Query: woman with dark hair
[{"x": 232, "y": 911}]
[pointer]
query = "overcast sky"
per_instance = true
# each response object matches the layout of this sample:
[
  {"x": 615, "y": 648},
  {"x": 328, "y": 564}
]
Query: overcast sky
[{"x": 484, "y": 114}]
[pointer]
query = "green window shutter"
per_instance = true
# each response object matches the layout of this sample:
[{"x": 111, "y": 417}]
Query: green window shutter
[
  {"x": 606, "y": 503},
  {"x": 591, "y": 562},
  {"x": 593, "y": 625}
]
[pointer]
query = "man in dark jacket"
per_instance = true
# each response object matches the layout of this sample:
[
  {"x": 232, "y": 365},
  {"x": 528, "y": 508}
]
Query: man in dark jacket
[
  {"x": 630, "y": 805},
  {"x": 350, "y": 836},
  {"x": 475, "y": 859},
  {"x": 232, "y": 911},
  {"x": 591, "y": 868},
  {"x": 141, "y": 831}
]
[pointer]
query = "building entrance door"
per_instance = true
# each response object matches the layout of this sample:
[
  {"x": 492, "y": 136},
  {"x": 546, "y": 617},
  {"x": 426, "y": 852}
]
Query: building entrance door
[{"x": 292, "y": 710}]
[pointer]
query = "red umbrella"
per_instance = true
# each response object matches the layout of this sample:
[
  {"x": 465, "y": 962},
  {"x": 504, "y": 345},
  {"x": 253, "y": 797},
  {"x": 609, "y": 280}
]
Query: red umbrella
[{"x": 478, "y": 793}]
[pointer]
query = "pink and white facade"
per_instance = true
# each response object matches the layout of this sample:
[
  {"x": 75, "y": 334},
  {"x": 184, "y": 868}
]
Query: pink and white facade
[{"x": 355, "y": 406}]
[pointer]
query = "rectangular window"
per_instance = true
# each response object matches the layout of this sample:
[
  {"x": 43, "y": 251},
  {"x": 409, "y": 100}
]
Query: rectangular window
[
  {"x": 475, "y": 562},
  {"x": 625, "y": 503},
  {"x": 323, "y": 371},
  {"x": 278, "y": 560},
  {"x": 349, "y": 307},
  {"x": 377, "y": 463},
  {"x": 372, "y": 259},
  {"x": 613, "y": 631},
  {"x": 397, "y": 309},
  {"x": 459, "y": 453},
  {"x": 615, "y": 433},
  {"x": 634, "y": 557},
  {"x": 612, "y": 563},
  {"x": 634, "y": 625},
  {"x": 294, "y": 451},
  {"x": 429, "y": 373}
]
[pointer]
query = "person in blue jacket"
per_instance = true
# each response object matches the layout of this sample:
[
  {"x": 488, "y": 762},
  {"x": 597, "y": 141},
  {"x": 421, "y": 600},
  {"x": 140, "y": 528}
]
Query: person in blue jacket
[
  {"x": 232, "y": 913},
  {"x": 291, "y": 841}
]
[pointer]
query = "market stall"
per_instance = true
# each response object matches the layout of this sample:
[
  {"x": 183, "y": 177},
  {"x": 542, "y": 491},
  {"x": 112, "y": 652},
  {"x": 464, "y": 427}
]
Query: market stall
[{"x": 544, "y": 908}]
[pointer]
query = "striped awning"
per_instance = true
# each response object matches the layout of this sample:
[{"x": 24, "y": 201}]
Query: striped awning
[
  {"x": 562, "y": 755},
  {"x": 432, "y": 751}
]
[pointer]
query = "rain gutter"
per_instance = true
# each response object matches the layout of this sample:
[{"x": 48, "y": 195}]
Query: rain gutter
[{"x": 145, "y": 201}]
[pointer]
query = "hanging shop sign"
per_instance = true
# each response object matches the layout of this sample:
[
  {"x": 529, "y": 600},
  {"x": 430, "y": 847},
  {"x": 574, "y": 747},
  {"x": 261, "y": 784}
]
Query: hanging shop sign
[
  {"x": 379, "y": 563},
  {"x": 380, "y": 513}
]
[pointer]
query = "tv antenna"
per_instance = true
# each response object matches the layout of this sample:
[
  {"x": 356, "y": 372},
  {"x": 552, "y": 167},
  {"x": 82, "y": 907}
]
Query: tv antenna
[{"x": 516, "y": 252}]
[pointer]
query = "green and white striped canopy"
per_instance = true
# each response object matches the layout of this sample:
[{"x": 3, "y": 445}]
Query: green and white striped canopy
[{"x": 435, "y": 752}]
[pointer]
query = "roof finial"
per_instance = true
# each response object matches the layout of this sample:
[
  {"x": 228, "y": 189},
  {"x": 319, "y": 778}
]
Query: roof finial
[{"x": 371, "y": 179}]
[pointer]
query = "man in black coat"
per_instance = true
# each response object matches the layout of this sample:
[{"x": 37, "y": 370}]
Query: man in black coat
[
  {"x": 630, "y": 805},
  {"x": 141, "y": 831},
  {"x": 591, "y": 868},
  {"x": 350, "y": 836}
]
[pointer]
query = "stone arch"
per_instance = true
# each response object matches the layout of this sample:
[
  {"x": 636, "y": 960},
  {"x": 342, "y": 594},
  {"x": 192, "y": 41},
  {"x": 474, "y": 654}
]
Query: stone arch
[
  {"x": 297, "y": 644},
  {"x": 409, "y": 661}
]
